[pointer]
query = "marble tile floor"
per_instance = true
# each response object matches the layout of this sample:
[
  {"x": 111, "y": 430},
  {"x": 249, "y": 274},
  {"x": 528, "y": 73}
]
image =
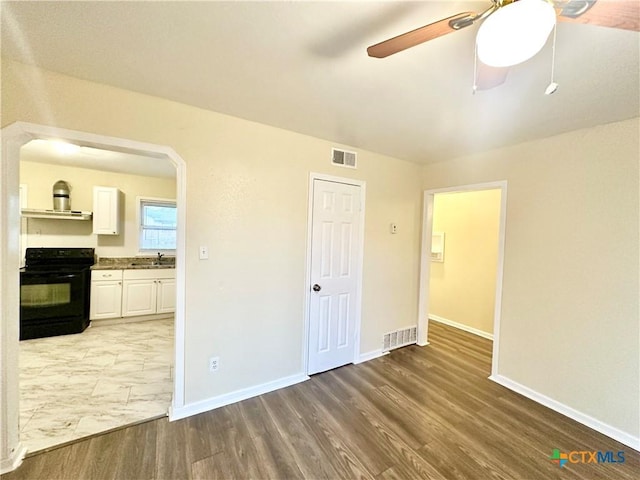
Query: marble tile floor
[{"x": 72, "y": 386}]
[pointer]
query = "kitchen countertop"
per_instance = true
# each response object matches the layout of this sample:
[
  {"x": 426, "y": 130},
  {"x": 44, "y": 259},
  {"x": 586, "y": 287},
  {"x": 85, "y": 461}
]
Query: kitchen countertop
[
  {"x": 131, "y": 267},
  {"x": 133, "y": 263}
]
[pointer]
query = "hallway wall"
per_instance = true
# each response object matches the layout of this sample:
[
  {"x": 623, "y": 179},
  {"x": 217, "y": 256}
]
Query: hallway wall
[{"x": 462, "y": 287}]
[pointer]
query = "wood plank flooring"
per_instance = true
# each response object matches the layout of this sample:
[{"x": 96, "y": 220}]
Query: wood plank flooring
[{"x": 420, "y": 412}]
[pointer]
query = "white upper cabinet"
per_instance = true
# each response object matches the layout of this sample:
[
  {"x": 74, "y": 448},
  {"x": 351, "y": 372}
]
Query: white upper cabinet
[
  {"x": 106, "y": 211},
  {"x": 23, "y": 225}
]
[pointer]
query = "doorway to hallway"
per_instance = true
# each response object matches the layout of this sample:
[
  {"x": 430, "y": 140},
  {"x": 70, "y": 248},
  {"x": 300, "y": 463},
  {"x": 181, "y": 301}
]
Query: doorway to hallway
[
  {"x": 464, "y": 258},
  {"x": 445, "y": 259}
]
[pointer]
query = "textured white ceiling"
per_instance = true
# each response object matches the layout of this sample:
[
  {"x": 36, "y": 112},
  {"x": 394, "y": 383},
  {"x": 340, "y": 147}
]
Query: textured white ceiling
[
  {"x": 58, "y": 153},
  {"x": 303, "y": 66}
]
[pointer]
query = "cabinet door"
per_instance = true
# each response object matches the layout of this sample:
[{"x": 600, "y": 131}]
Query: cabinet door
[
  {"x": 166, "y": 295},
  {"x": 106, "y": 211},
  {"x": 139, "y": 297},
  {"x": 106, "y": 300}
]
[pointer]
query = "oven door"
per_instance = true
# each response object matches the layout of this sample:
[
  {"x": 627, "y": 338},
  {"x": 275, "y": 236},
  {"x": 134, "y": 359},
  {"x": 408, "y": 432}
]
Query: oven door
[{"x": 51, "y": 295}]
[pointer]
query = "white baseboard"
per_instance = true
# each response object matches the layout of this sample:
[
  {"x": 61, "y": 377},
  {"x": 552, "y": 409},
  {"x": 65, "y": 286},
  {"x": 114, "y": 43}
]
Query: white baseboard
[
  {"x": 14, "y": 460},
  {"x": 597, "y": 425},
  {"x": 233, "y": 397},
  {"x": 122, "y": 320},
  {"x": 365, "y": 357},
  {"x": 461, "y": 326}
]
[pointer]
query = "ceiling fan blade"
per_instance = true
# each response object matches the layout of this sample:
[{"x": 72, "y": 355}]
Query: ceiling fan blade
[
  {"x": 420, "y": 35},
  {"x": 624, "y": 14},
  {"x": 489, "y": 77}
]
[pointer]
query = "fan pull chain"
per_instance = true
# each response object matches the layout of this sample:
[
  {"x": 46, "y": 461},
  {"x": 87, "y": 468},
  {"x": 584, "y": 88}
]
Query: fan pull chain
[{"x": 553, "y": 86}]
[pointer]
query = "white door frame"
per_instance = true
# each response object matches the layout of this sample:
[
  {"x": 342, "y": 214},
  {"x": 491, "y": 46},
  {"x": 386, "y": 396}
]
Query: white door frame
[
  {"x": 13, "y": 137},
  {"x": 425, "y": 261},
  {"x": 359, "y": 264}
]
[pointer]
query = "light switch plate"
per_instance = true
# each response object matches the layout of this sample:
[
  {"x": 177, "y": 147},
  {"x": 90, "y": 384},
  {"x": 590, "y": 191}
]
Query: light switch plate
[{"x": 204, "y": 253}]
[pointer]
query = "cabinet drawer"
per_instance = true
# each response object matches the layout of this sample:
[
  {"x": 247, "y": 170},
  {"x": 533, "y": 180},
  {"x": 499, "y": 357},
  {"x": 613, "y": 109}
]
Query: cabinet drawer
[
  {"x": 98, "y": 275},
  {"x": 153, "y": 273}
]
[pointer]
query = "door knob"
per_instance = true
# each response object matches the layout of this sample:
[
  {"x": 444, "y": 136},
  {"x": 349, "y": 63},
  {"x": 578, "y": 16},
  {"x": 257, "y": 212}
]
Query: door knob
[{"x": 317, "y": 288}]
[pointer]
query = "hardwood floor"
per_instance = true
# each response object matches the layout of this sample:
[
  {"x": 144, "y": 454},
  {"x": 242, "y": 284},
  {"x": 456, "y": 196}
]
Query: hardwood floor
[{"x": 420, "y": 412}]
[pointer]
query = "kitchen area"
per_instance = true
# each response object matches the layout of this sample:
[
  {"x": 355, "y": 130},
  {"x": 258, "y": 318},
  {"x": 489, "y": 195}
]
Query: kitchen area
[{"x": 97, "y": 290}]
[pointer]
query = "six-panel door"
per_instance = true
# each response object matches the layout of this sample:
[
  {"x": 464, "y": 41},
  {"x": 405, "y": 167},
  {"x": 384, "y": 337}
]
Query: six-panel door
[{"x": 335, "y": 248}]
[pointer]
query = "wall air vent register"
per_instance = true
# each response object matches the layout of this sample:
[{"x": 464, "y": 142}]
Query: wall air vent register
[
  {"x": 343, "y": 158},
  {"x": 399, "y": 338}
]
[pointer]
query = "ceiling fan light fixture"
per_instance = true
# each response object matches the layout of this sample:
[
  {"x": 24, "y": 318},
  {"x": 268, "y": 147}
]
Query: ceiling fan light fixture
[{"x": 515, "y": 32}]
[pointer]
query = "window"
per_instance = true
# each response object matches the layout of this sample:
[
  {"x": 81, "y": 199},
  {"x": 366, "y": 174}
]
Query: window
[{"x": 157, "y": 222}]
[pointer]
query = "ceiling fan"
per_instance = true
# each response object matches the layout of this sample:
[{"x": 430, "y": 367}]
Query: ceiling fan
[{"x": 529, "y": 20}]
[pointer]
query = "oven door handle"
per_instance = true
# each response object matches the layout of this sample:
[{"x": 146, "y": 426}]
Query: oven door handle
[{"x": 29, "y": 278}]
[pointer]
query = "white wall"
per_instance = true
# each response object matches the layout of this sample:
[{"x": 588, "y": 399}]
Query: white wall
[
  {"x": 40, "y": 178},
  {"x": 570, "y": 313},
  {"x": 247, "y": 200}
]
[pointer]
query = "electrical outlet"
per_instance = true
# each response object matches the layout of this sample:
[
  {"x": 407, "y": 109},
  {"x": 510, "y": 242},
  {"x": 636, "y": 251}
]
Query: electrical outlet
[{"x": 214, "y": 363}]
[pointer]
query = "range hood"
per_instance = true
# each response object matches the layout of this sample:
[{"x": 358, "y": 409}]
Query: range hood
[{"x": 57, "y": 214}]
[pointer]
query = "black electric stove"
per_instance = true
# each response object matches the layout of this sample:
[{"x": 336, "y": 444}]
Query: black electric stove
[{"x": 55, "y": 291}]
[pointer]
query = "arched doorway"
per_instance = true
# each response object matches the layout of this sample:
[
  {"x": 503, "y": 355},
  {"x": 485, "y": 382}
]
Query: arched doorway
[{"x": 13, "y": 138}]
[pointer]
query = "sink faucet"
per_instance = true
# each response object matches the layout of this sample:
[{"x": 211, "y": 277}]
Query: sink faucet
[{"x": 159, "y": 261}]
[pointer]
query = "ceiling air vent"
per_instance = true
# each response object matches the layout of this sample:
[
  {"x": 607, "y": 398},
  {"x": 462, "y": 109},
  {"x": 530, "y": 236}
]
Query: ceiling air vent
[{"x": 343, "y": 158}]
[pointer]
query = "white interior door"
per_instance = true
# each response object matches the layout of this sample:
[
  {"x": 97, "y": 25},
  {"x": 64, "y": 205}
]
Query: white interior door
[{"x": 335, "y": 253}]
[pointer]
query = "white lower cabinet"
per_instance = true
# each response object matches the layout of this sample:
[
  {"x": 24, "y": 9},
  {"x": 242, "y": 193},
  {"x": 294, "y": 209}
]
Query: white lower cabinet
[
  {"x": 166, "y": 298},
  {"x": 130, "y": 293},
  {"x": 146, "y": 292},
  {"x": 106, "y": 294},
  {"x": 139, "y": 297}
]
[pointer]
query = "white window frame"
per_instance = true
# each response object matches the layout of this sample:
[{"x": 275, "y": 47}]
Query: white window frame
[{"x": 139, "y": 203}]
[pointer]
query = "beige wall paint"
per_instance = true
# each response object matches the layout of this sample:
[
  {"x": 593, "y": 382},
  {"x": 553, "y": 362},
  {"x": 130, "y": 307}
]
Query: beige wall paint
[
  {"x": 570, "y": 313},
  {"x": 247, "y": 187},
  {"x": 40, "y": 178},
  {"x": 570, "y": 300},
  {"x": 462, "y": 288}
]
